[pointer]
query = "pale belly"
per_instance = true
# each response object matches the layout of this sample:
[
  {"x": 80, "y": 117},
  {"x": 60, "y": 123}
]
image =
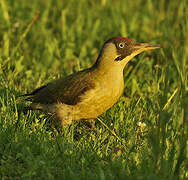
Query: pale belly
[{"x": 96, "y": 102}]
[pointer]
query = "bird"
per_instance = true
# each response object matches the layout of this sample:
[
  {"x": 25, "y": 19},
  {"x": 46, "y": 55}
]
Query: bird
[{"x": 86, "y": 94}]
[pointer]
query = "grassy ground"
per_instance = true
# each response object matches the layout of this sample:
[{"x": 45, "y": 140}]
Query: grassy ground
[{"x": 144, "y": 136}]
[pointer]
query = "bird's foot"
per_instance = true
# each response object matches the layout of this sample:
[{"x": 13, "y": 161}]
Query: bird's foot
[{"x": 90, "y": 123}]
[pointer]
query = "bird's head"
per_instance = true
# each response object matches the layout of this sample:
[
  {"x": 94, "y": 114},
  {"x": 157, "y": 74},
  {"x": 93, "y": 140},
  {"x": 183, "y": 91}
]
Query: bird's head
[{"x": 118, "y": 51}]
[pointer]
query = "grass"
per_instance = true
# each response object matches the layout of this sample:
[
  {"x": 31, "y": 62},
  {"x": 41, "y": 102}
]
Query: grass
[{"x": 144, "y": 136}]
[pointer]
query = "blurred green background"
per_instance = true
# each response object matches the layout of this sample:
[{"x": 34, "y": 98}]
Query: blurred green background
[{"x": 144, "y": 136}]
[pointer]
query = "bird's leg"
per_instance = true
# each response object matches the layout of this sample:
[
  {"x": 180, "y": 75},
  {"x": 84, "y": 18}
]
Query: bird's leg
[{"x": 90, "y": 123}]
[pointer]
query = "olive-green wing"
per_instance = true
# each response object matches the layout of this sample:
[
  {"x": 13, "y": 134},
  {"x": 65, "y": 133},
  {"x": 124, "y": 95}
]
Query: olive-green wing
[{"x": 67, "y": 90}]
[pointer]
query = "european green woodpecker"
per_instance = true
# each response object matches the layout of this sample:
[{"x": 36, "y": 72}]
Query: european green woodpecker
[{"x": 86, "y": 94}]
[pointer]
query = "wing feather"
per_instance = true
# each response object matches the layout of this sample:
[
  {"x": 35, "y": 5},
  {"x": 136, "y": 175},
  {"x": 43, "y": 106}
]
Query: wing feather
[{"x": 67, "y": 90}]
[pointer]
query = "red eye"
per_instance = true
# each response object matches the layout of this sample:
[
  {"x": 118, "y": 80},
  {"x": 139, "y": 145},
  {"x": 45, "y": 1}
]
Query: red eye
[{"x": 121, "y": 45}]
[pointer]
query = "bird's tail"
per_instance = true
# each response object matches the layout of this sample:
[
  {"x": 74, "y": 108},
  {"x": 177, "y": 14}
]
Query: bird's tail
[{"x": 29, "y": 95}]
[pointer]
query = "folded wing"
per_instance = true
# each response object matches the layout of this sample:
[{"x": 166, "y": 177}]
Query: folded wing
[{"x": 67, "y": 90}]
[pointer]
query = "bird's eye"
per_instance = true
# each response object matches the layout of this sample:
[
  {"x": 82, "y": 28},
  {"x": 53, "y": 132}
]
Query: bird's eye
[{"x": 121, "y": 45}]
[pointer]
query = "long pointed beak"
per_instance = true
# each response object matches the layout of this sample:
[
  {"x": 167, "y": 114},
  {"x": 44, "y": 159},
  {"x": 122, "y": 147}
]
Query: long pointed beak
[{"x": 145, "y": 46}]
